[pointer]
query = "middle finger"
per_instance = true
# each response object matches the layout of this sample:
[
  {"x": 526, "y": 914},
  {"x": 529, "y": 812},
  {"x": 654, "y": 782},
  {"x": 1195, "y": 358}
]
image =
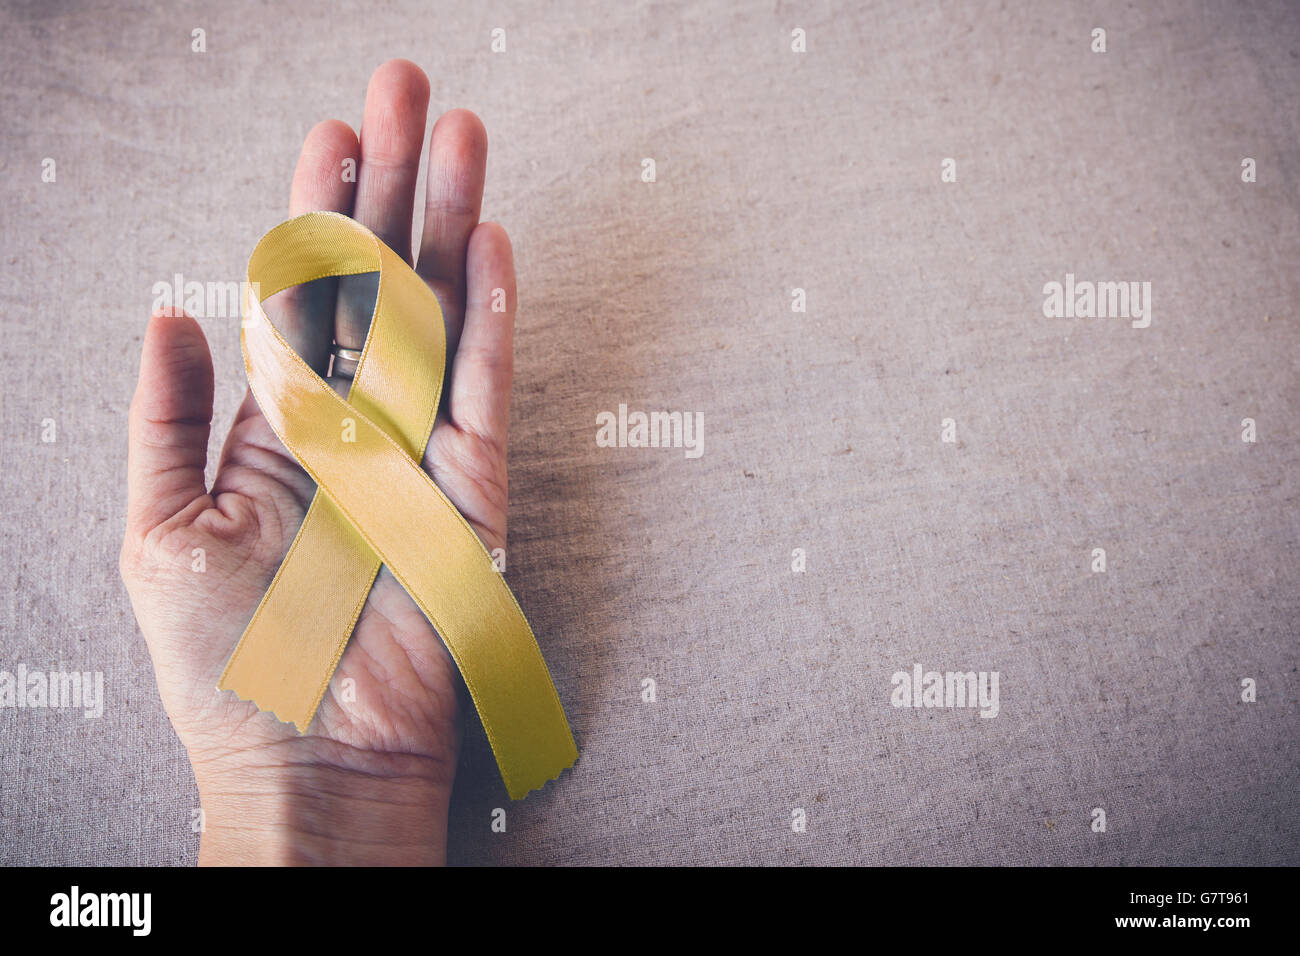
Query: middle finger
[{"x": 392, "y": 135}]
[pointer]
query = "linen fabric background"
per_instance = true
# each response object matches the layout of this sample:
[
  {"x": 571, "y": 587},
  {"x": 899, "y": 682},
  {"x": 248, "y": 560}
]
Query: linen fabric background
[{"x": 775, "y": 171}]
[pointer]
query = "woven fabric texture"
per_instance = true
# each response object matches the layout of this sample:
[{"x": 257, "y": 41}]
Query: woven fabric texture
[{"x": 775, "y": 171}]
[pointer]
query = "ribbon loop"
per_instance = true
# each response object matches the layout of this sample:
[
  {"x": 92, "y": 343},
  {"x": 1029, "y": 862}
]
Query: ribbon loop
[{"x": 375, "y": 505}]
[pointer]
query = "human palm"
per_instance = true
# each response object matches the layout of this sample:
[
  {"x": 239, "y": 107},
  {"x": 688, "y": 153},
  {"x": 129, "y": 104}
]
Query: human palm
[{"x": 402, "y": 714}]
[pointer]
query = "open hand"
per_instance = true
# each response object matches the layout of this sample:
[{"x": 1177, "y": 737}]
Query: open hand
[{"x": 370, "y": 779}]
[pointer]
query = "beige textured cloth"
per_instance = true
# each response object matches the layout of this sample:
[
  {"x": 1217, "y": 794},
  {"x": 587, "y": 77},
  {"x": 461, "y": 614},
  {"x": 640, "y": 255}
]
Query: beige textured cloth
[{"x": 775, "y": 171}]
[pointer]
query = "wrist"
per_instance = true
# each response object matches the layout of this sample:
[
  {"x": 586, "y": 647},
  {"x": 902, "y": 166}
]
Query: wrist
[{"x": 277, "y": 807}]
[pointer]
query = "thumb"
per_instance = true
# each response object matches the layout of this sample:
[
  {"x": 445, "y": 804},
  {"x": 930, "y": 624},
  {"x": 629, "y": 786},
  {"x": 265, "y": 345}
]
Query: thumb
[{"x": 170, "y": 418}]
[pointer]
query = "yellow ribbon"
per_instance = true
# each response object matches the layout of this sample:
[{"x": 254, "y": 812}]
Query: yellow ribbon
[{"x": 375, "y": 505}]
